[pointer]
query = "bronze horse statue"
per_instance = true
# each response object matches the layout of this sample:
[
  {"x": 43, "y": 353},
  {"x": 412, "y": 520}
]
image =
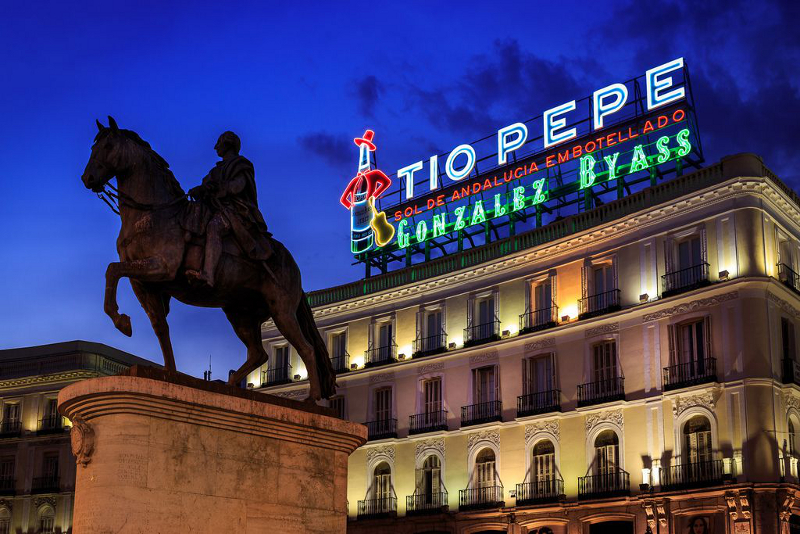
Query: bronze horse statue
[{"x": 155, "y": 251}]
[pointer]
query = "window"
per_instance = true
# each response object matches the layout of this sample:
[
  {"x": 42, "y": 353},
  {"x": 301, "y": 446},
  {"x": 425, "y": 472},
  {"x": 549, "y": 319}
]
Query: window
[
  {"x": 433, "y": 334},
  {"x": 697, "y": 440},
  {"x": 543, "y": 470},
  {"x": 603, "y": 278},
  {"x": 51, "y": 418},
  {"x": 605, "y": 365},
  {"x": 543, "y": 306},
  {"x": 11, "y": 412},
  {"x": 47, "y": 519},
  {"x": 382, "y": 483},
  {"x": 600, "y": 288},
  {"x": 482, "y": 323},
  {"x": 484, "y": 385},
  {"x": 485, "y": 471},
  {"x": 337, "y": 403},
  {"x": 281, "y": 357},
  {"x": 432, "y": 395},
  {"x": 338, "y": 345},
  {"x": 606, "y": 449},
  {"x": 383, "y": 404},
  {"x": 689, "y": 253},
  {"x": 787, "y": 339},
  {"x": 792, "y": 444},
  {"x": 5, "y": 521},
  {"x": 50, "y": 468},
  {"x": 537, "y": 374},
  {"x": 429, "y": 480},
  {"x": 786, "y": 254}
]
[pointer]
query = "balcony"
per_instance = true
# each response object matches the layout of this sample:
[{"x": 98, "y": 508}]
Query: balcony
[
  {"x": 684, "y": 280},
  {"x": 52, "y": 424},
  {"x": 609, "y": 390},
  {"x": 541, "y": 402},
  {"x": 430, "y": 345},
  {"x": 276, "y": 375},
  {"x": 791, "y": 371},
  {"x": 541, "y": 491},
  {"x": 426, "y": 503},
  {"x": 613, "y": 484},
  {"x": 482, "y": 333},
  {"x": 340, "y": 363},
  {"x": 600, "y": 304},
  {"x": 485, "y": 412},
  {"x": 693, "y": 475},
  {"x": 10, "y": 429},
  {"x": 690, "y": 374},
  {"x": 48, "y": 484},
  {"x": 376, "y": 508},
  {"x": 789, "y": 277},
  {"x": 381, "y": 429},
  {"x": 536, "y": 320},
  {"x": 381, "y": 355},
  {"x": 7, "y": 486},
  {"x": 480, "y": 498},
  {"x": 427, "y": 422}
]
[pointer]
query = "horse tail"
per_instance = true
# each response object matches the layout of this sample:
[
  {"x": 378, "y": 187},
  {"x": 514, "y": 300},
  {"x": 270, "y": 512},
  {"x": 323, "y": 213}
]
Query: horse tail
[{"x": 327, "y": 377}]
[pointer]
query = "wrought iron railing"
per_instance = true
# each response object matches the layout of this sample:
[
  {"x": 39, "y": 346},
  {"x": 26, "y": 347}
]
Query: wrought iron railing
[
  {"x": 10, "y": 428},
  {"x": 51, "y": 424},
  {"x": 427, "y": 346},
  {"x": 788, "y": 276},
  {"x": 608, "y": 390},
  {"x": 426, "y": 503},
  {"x": 341, "y": 362},
  {"x": 535, "y": 320},
  {"x": 600, "y": 303},
  {"x": 380, "y": 355},
  {"x": 546, "y": 490},
  {"x": 46, "y": 484},
  {"x": 482, "y": 333},
  {"x": 791, "y": 371},
  {"x": 483, "y": 412},
  {"x": 427, "y": 422},
  {"x": 381, "y": 429},
  {"x": 692, "y": 475},
  {"x": 684, "y": 279},
  {"x": 604, "y": 485},
  {"x": 7, "y": 485},
  {"x": 379, "y": 507},
  {"x": 690, "y": 373},
  {"x": 485, "y": 497},
  {"x": 540, "y": 402},
  {"x": 277, "y": 375}
]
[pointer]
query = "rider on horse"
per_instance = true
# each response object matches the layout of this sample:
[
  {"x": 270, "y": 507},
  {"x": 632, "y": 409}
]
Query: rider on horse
[{"x": 229, "y": 190}]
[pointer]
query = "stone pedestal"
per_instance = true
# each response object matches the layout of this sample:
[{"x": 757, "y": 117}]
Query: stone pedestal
[{"x": 156, "y": 456}]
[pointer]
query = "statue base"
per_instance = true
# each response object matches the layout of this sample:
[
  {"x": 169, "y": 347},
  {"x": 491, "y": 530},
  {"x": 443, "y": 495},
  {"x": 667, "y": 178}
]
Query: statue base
[{"x": 163, "y": 452}]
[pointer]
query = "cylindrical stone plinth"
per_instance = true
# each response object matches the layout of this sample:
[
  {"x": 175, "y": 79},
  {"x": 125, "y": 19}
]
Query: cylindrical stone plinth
[{"x": 160, "y": 457}]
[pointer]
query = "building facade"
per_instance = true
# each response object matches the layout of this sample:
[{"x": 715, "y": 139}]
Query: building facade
[
  {"x": 629, "y": 367},
  {"x": 37, "y": 467}
]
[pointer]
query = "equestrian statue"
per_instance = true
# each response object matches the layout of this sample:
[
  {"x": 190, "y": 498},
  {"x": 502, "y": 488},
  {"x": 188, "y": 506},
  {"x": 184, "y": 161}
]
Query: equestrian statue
[{"x": 210, "y": 248}]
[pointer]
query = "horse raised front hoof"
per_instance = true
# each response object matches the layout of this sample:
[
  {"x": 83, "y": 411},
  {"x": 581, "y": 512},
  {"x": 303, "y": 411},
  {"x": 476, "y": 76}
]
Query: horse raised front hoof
[{"x": 123, "y": 324}]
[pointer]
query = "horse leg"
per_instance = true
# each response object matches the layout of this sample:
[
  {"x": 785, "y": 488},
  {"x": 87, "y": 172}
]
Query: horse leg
[
  {"x": 287, "y": 324},
  {"x": 248, "y": 327},
  {"x": 151, "y": 269},
  {"x": 156, "y": 305}
]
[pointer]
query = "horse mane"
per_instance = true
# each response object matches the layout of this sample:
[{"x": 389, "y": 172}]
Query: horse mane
[{"x": 152, "y": 158}]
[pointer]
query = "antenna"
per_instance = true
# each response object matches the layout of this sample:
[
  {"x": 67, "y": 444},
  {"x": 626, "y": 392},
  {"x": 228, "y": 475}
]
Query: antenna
[{"x": 207, "y": 374}]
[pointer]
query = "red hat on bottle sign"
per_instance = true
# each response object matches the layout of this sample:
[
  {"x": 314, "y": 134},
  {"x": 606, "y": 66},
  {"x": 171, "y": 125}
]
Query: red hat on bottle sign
[{"x": 366, "y": 140}]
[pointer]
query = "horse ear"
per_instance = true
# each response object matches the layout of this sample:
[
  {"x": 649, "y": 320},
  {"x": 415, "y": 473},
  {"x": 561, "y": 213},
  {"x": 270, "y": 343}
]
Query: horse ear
[
  {"x": 100, "y": 126},
  {"x": 112, "y": 123}
]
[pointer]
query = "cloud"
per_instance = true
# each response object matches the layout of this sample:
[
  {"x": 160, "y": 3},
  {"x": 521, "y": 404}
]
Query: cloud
[
  {"x": 367, "y": 92},
  {"x": 334, "y": 149}
]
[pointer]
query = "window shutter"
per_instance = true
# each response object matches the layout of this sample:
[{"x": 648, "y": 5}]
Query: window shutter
[
  {"x": 496, "y": 374},
  {"x": 496, "y": 300},
  {"x": 669, "y": 255},
  {"x": 436, "y": 474},
  {"x": 614, "y": 276},
  {"x": 371, "y": 336},
  {"x": 421, "y": 326},
  {"x": 526, "y": 376},
  {"x": 420, "y": 482},
  {"x": 470, "y": 311},
  {"x": 553, "y": 287},
  {"x": 528, "y": 290},
  {"x": 673, "y": 344},
  {"x": 585, "y": 281},
  {"x": 707, "y": 336}
]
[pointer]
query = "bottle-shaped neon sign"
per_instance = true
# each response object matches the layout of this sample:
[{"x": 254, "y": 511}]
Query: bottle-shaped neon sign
[{"x": 360, "y": 194}]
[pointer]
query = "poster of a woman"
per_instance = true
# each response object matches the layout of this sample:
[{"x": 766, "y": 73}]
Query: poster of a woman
[{"x": 699, "y": 525}]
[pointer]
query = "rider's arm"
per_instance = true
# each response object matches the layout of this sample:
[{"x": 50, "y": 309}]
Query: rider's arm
[{"x": 234, "y": 186}]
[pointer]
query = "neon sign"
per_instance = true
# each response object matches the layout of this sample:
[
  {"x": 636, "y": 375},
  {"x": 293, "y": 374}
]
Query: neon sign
[
  {"x": 582, "y": 154},
  {"x": 367, "y": 226}
]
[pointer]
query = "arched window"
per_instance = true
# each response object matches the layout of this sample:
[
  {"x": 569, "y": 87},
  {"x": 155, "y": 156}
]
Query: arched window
[
  {"x": 606, "y": 449},
  {"x": 429, "y": 479},
  {"x": 543, "y": 467},
  {"x": 792, "y": 442},
  {"x": 485, "y": 471},
  {"x": 382, "y": 481},
  {"x": 47, "y": 519},
  {"x": 697, "y": 440},
  {"x": 5, "y": 521}
]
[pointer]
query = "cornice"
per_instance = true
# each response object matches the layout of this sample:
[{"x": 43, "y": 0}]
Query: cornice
[
  {"x": 47, "y": 379},
  {"x": 595, "y": 238}
]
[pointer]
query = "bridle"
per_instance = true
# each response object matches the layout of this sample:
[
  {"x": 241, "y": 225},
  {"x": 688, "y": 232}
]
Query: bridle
[{"x": 114, "y": 199}]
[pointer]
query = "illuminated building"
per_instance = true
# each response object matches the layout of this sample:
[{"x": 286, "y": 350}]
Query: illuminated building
[
  {"x": 630, "y": 365},
  {"x": 37, "y": 467}
]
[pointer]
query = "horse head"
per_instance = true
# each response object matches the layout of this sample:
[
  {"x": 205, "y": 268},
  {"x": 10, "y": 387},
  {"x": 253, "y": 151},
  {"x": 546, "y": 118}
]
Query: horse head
[{"x": 106, "y": 160}]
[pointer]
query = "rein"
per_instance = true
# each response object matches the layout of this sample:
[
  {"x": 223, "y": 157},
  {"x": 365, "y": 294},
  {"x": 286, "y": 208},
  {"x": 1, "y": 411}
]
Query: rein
[{"x": 114, "y": 198}]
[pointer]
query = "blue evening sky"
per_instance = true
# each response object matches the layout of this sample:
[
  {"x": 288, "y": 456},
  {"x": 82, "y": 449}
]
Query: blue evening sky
[{"x": 297, "y": 81}]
